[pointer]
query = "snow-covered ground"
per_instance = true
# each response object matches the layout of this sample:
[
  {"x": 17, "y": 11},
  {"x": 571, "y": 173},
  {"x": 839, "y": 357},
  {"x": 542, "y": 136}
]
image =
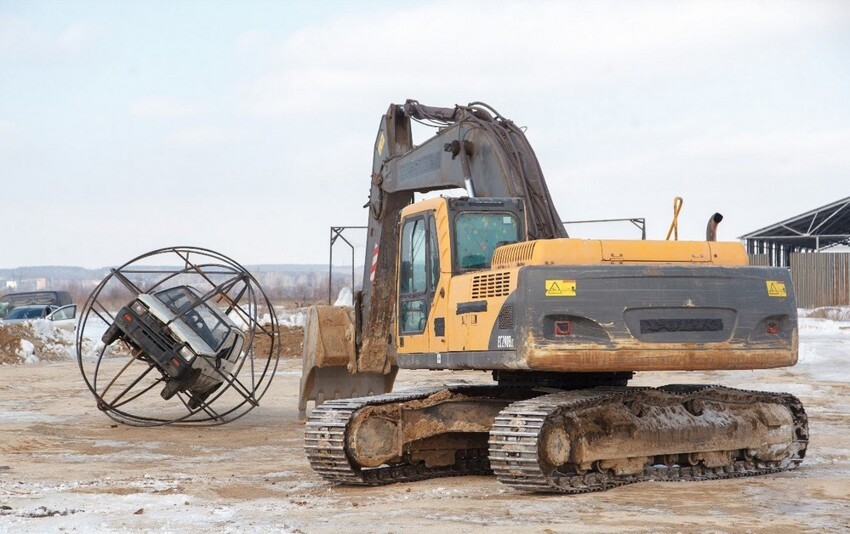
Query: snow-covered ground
[
  {"x": 825, "y": 347},
  {"x": 64, "y": 466}
]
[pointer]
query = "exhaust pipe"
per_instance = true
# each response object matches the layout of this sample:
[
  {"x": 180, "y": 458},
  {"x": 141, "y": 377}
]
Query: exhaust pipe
[{"x": 711, "y": 229}]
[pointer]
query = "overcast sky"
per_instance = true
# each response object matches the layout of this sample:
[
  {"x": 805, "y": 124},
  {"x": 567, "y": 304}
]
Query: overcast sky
[{"x": 247, "y": 127}]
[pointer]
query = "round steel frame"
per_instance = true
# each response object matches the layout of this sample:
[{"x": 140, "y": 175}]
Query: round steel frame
[{"x": 125, "y": 386}]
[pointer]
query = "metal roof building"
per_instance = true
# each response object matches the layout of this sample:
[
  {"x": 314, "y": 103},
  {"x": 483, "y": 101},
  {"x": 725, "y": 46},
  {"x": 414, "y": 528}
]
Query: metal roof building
[{"x": 815, "y": 230}]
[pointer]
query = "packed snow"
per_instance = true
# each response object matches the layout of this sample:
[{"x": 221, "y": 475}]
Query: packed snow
[{"x": 345, "y": 298}]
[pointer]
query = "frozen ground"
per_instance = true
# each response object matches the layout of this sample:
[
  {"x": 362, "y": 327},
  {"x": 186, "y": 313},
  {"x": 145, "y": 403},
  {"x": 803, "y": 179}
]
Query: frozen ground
[{"x": 66, "y": 467}]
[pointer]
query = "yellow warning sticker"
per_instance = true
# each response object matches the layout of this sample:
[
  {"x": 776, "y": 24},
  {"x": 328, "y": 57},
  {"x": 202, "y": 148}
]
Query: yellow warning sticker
[
  {"x": 560, "y": 288},
  {"x": 379, "y": 146},
  {"x": 776, "y": 289}
]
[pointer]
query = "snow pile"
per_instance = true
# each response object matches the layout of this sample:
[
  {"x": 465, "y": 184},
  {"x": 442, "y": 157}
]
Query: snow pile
[
  {"x": 34, "y": 341},
  {"x": 27, "y": 352},
  {"x": 825, "y": 343},
  {"x": 241, "y": 320},
  {"x": 54, "y": 340},
  {"x": 345, "y": 298},
  {"x": 293, "y": 319},
  {"x": 833, "y": 313}
]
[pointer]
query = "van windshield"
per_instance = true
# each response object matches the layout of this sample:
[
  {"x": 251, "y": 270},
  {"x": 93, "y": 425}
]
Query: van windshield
[{"x": 200, "y": 318}]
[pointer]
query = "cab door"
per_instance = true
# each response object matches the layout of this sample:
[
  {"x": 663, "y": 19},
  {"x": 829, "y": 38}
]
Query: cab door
[{"x": 418, "y": 277}]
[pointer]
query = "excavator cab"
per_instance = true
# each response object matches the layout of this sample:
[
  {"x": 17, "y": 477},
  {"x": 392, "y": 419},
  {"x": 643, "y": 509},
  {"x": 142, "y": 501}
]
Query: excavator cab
[
  {"x": 439, "y": 238},
  {"x": 442, "y": 239}
]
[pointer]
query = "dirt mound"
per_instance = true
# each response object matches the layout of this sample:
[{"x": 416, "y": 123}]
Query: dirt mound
[
  {"x": 291, "y": 338},
  {"x": 10, "y": 343},
  {"x": 32, "y": 342},
  {"x": 290, "y": 342}
]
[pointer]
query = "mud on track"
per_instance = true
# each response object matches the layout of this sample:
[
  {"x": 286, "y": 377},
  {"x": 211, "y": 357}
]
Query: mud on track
[{"x": 64, "y": 465}]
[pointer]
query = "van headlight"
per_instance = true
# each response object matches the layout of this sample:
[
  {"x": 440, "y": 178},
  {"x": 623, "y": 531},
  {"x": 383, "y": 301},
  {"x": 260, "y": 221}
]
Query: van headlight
[
  {"x": 138, "y": 307},
  {"x": 187, "y": 353}
]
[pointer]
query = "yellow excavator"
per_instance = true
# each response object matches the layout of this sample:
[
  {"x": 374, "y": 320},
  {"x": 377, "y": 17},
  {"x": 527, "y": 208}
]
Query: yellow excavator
[{"x": 491, "y": 281}]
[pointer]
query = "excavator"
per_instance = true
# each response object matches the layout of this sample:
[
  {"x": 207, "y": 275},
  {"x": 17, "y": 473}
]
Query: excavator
[{"x": 491, "y": 281}]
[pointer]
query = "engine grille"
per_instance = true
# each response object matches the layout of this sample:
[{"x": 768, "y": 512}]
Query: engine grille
[
  {"x": 511, "y": 254},
  {"x": 491, "y": 285},
  {"x": 650, "y": 326}
]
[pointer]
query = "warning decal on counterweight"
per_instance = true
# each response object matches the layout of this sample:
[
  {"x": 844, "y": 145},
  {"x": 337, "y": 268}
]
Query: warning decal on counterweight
[
  {"x": 776, "y": 289},
  {"x": 560, "y": 288}
]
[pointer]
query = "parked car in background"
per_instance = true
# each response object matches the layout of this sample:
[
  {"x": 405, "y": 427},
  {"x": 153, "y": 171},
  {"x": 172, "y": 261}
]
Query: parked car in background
[
  {"x": 64, "y": 317},
  {"x": 57, "y": 299}
]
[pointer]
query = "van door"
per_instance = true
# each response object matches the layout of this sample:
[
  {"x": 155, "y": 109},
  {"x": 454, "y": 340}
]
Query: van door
[{"x": 64, "y": 317}]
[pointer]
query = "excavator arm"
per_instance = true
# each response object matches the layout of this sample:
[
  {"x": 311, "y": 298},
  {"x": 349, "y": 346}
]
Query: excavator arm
[{"x": 475, "y": 149}]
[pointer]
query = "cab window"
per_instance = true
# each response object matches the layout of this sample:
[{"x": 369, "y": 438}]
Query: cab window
[
  {"x": 478, "y": 234},
  {"x": 413, "y": 257},
  {"x": 412, "y": 277},
  {"x": 419, "y": 272}
]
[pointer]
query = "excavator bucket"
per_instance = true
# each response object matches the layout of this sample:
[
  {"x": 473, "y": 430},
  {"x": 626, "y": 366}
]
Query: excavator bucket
[{"x": 329, "y": 360}]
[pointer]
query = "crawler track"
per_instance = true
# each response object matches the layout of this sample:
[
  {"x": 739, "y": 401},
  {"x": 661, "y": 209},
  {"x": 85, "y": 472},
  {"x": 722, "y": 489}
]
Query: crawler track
[
  {"x": 515, "y": 439},
  {"x": 325, "y": 443}
]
